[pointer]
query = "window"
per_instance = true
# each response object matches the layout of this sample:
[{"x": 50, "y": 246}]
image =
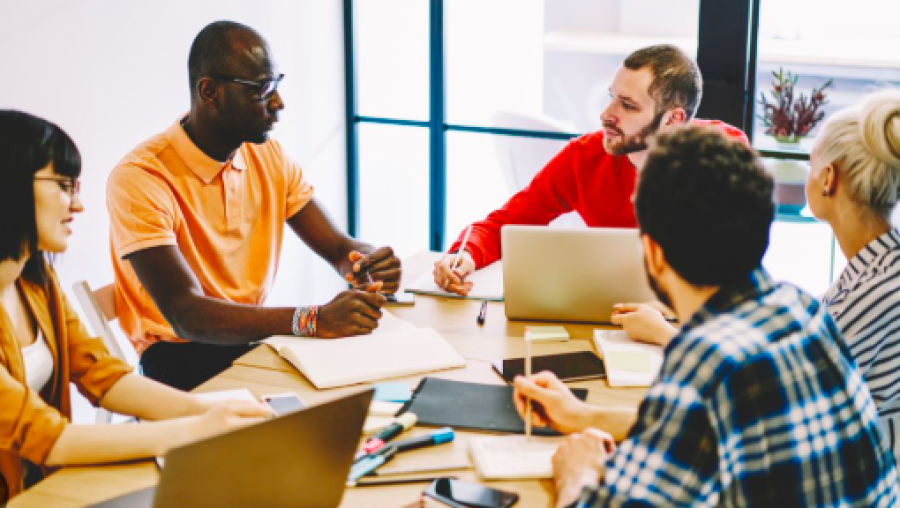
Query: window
[{"x": 472, "y": 79}]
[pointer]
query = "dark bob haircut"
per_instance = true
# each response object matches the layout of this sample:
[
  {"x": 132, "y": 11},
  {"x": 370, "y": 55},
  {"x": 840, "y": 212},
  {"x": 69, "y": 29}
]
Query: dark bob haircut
[
  {"x": 707, "y": 201},
  {"x": 27, "y": 145}
]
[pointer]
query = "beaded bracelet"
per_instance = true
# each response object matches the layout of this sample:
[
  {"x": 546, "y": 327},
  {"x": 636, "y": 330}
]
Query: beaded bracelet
[{"x": 304, "y": 322}]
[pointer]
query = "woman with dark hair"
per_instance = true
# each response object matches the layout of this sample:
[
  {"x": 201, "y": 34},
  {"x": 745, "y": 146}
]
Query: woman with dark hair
[{"x": 44, "y": 347}]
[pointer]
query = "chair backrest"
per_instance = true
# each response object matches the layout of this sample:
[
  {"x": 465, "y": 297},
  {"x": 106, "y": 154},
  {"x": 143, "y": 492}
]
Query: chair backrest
[
  {"x": 100, "y": 309},
  {"x": 521, "y": 158}
]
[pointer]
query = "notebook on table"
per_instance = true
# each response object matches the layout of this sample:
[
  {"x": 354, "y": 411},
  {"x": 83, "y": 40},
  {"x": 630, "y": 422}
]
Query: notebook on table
[
  {"x": 444, "y": 403},
  {"x": 487, "y": 284},
  {"x": 330, "y": 363},
  {"x": 513, "y": 457},
  {"x": 628, "y": 362}
]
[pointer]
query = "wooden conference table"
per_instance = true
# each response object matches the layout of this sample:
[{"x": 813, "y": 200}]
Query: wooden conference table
[{"x": 264, "y": 372}]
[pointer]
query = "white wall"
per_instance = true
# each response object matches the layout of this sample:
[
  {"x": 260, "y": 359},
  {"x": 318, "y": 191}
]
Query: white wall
[{"x": 113, "y": 73}]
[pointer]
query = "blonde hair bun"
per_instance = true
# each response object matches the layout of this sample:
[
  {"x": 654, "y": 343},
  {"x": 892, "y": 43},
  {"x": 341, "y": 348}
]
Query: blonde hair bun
[{"x": 880, "y": 127}]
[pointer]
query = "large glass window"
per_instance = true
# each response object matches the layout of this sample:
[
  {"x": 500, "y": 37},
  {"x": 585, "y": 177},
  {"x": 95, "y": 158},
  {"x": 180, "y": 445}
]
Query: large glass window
[
  {"x": 850, "y": 50},
  {"x": 392, "y": 58},
  {"x": 487, "y": 92},
  {"x": 394, "y": 187}
]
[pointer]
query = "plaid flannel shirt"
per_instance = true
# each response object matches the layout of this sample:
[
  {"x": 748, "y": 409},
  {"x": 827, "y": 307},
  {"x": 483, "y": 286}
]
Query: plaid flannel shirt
[{"x": 758, "y": 403}]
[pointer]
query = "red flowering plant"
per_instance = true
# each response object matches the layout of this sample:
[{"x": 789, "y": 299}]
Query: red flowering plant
[{"x": 789, "y": 117}]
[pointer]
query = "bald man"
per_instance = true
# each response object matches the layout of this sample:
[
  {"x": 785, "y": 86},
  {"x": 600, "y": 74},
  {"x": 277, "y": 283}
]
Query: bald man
[{"x": 197, "y": 215}]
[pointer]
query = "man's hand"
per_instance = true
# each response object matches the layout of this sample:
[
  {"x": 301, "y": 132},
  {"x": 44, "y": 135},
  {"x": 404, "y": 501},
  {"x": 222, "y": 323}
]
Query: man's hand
[
  {"x": 350, "y": 313},
  {"x": 454, "y": 280},
  {"x": 579, "y": 462},
  {"x": 559, "y": 408},
  {"x": 645, "y": 322},
  {"x": 382, "y": 266}
]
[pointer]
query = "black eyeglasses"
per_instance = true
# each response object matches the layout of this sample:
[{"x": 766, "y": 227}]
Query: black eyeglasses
[
  {"x": 264, "y": 88},
  {"x": 69, "y": 185}
]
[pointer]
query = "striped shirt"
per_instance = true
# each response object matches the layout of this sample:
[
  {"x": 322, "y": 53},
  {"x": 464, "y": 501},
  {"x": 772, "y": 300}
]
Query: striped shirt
[
  {"x": 758, "y": 403},
  {"x": 865, "y": 304}
]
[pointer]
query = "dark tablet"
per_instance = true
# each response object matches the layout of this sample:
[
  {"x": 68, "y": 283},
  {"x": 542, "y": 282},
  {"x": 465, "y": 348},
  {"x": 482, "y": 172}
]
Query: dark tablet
[{"x": 567, "y": 366}]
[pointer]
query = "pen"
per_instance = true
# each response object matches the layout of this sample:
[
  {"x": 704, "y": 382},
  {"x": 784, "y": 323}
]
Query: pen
[
  {"x": 437, "y": 437},
  {"x": 404, "y": 421},
  {"x": 369, "y": 464},
  {"x": 482, "y": 314},
  {"x": 367, "y": 481},
  {"x": 440, "y": 436},
  {"x": 462, "y": 247},
  {"x": 527, "y": 400}
]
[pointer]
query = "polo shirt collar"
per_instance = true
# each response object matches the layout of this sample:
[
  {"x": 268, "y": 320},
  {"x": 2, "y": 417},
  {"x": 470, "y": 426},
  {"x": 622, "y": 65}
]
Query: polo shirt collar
[{"x": 205, "y": 167}]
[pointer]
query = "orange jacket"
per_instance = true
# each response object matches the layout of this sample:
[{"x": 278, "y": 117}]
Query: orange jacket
[{"x": 30, "y": 423}]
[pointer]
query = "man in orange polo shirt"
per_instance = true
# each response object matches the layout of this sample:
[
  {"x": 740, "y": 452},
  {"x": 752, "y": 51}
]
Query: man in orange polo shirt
[{"x": 196, "y": 218}]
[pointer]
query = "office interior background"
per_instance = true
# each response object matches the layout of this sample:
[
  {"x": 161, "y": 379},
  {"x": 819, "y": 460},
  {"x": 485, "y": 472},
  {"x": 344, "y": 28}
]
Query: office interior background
[{"x": 437, "y": 110}]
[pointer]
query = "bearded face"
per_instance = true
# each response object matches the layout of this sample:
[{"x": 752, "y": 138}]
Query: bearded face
[{"x": 621, "y": 144}]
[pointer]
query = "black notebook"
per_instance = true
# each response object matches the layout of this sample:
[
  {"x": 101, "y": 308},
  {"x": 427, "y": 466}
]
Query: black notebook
[{"x": 444, "y": 403}]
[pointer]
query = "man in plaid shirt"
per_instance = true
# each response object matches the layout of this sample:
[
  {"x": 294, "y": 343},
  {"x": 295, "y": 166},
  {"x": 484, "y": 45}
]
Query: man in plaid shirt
[{"x": 758, "y": 401}]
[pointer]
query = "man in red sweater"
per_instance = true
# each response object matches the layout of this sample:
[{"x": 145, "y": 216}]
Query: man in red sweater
[{"x": 656, "y": 88}]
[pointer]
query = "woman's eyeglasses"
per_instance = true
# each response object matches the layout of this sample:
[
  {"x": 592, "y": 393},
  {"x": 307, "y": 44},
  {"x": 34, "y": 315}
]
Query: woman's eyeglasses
[{"x": 69, "y": 185}]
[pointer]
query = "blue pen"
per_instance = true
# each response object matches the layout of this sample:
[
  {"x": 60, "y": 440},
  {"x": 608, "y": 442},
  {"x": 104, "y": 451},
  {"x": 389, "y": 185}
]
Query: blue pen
[
  {"x": 437, "y": 437},
  {"x": 370, "y": 463}
]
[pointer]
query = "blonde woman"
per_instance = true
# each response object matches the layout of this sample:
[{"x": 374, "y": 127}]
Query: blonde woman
[
  {"x": 43, "y": 346},
  {"x": 854, "y": 185}
]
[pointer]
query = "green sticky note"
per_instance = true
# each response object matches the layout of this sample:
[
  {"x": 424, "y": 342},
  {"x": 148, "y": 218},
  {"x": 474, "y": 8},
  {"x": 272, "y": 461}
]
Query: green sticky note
[
  {"x": 546, "y": 333},
  {"x": 631, "y": 361}
]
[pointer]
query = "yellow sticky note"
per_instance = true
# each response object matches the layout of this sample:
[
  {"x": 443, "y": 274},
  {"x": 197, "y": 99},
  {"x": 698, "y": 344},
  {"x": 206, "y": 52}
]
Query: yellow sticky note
[
  {"x": 632, "y": 361},
  {"x": 546, "y": 333}
]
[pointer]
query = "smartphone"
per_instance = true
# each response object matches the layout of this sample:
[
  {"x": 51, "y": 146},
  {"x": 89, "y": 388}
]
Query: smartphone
[
  {"x": 400, "y": 299},
  {"x": 462, "y": 494},
  {"x": 284, "y": 403},
  {"x": 567, "y": 366}
]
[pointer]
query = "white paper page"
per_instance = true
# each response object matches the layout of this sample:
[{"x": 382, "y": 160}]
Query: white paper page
[
  {"x": 391, "y": 323},
  {"x": 514, "y": 456},
  {"x": 488, "y": 284},
  {"x": 618, "y": 341},
  {"x": 329, "y": 363}
]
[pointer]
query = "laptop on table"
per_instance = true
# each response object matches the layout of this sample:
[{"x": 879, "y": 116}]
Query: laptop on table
[
  {"x": 295, "y": 461},
  {"x": 557, "y": 274}
]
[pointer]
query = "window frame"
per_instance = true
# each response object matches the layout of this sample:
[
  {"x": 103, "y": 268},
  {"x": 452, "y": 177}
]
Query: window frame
[{"x": 725, "y": 29}]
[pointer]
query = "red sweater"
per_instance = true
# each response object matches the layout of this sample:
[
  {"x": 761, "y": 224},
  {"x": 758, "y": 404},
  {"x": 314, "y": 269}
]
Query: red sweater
[{"x": 582, "y": 177}]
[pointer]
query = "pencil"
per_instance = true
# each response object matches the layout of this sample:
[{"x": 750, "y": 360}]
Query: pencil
[
  {"x": 462, "y": 247},
  {"x": 527, "y": 399}
]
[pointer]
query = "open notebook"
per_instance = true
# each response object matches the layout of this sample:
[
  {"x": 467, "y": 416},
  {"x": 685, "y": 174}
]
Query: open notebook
[
  {"x": 396, "y": 348},
  {"x": 628, "y": 362},
  {"x": 488, "y": 284}
]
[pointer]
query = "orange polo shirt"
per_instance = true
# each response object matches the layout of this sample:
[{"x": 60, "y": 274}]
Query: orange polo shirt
[{"x": 227, "y": 219}]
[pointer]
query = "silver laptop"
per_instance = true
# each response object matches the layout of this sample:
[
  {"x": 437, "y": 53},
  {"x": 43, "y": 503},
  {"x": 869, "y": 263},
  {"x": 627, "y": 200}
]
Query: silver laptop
[
  {"x": 560, "y": 274},
  {"x": 295, "y": 461}
]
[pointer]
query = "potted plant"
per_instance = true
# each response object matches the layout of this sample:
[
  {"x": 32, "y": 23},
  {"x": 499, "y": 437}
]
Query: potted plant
[{"x": 789, "y": 117}]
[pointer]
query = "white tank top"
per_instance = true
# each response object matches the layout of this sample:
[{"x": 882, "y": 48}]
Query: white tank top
[{"x": 38, "y": 363}]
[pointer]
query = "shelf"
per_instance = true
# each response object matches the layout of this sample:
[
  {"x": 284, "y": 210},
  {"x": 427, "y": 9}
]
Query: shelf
[{"x": 857, "y": 52}]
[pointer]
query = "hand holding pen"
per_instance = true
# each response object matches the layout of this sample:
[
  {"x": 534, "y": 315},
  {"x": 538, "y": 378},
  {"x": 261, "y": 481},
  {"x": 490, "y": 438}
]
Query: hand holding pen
[
  {"x": 378, "y": 271},
  {"x": 451, "y": 271}
]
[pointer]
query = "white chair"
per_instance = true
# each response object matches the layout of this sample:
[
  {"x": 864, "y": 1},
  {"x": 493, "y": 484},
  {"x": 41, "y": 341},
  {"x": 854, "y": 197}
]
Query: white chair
[
  {"x": 100, "y": 308},
  {"x": 521, "y": 158}
]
